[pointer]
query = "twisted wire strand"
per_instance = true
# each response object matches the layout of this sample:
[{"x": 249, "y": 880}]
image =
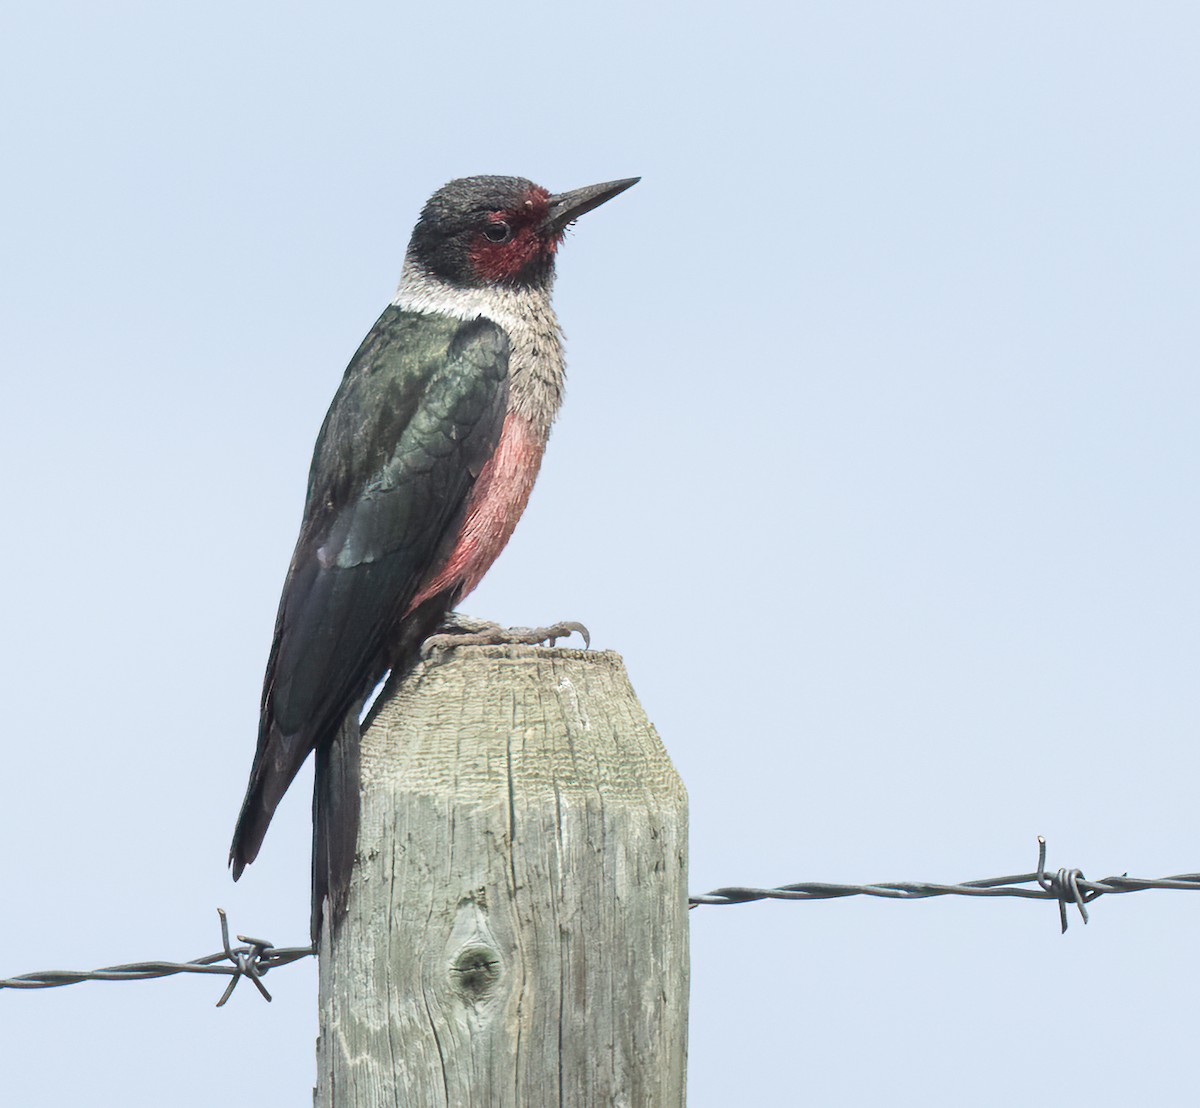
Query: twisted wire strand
[
  {"x": 256, "y": 957},
  {"x": 1067, "y": 886},
  {"x": 252, "y": 960}
]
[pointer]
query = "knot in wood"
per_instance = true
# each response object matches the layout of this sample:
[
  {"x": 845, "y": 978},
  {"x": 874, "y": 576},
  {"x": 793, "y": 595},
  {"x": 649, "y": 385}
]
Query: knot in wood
[{"x": 475, "y": 970}]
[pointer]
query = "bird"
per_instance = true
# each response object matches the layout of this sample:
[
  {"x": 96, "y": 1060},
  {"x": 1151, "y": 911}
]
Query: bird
[{"x": 421, "y": 470}]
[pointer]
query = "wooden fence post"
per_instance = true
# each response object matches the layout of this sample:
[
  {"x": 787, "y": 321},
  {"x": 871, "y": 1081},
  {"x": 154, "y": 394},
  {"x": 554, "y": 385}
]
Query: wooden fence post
[{"x": 516, "y": 923}]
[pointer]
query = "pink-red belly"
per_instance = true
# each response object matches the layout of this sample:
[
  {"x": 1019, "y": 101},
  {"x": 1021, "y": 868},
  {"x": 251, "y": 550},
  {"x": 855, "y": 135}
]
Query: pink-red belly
[{"x": 499, "y": 497}]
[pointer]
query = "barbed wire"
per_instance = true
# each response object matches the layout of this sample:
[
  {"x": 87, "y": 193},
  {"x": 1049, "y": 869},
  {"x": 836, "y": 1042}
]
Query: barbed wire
[
  {"x": 257, "y": 956},
  {"x": 252, "y": 960},
  {"x": 1067, "y": 886}
]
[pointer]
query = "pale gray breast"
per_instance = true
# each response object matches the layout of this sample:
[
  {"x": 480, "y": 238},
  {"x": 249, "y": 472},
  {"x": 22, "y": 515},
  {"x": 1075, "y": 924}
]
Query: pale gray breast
[{"x": 537, "y": 370}]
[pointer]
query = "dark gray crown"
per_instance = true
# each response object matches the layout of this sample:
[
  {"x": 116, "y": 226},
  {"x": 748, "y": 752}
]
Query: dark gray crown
[{"x": 442, "y": 238}]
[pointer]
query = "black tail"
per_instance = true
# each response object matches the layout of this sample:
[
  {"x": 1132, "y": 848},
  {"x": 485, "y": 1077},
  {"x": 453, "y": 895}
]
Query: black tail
[
  {"x": 335, "y": 823},
  {"x": 336, "y": 785}
]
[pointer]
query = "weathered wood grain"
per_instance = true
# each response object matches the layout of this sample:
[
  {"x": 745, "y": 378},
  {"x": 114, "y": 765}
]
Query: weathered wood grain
[{"x": 515, "y": 932}]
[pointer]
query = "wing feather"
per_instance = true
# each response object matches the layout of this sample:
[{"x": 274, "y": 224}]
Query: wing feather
[{"x": 418, "y": 413}]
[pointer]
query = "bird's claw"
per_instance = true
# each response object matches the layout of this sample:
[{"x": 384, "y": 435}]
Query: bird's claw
[
  {"x": 463, "y": 631},
  {"x": 562, "y": 630}
]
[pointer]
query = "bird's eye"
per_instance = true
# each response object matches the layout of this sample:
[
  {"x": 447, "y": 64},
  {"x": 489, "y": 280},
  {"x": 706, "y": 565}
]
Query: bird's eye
[{"x": 498, "y": 232}]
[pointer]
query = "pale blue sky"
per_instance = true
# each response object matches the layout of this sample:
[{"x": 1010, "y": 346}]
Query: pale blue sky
[{"x": 879, "y": 465}]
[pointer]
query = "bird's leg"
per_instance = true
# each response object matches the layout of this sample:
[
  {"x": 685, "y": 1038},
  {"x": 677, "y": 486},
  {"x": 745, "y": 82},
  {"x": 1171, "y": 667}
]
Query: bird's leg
[
  {"x": 458, "y": 629},
  {"x": 459, "y": 623}
]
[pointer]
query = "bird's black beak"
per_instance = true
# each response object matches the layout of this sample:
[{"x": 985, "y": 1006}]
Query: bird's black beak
[{"x": 566, "y": 207}]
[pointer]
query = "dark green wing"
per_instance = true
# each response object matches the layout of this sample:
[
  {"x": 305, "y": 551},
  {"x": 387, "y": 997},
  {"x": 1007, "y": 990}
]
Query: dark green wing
[{"x": 418, "y": 414}]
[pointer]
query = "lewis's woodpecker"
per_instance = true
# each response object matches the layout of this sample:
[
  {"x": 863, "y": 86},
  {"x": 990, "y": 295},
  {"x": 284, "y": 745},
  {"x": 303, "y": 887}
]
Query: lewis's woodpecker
[{"x": 423, "y": 466}]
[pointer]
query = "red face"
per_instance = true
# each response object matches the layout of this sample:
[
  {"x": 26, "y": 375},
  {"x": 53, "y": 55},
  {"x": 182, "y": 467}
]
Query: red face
[{"x": 510, "y": 242}]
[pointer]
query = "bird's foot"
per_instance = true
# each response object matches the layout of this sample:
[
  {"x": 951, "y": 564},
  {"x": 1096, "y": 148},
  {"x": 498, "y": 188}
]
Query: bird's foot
[{"x": 462, "y": 630}]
